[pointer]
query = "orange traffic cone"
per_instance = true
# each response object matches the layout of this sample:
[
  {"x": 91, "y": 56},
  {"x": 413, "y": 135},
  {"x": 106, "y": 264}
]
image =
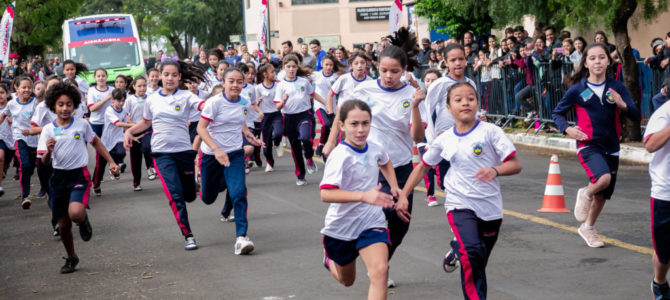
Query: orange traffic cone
[
  {"x": 416, "y": 158},
  {"x": 554, "y": 198}
]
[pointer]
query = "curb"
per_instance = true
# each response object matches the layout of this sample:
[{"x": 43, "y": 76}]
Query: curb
[{"x": 629, "y": 153}]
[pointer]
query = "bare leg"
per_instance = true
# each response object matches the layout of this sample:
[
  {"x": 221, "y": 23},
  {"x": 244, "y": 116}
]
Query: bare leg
[
  {"x": 598, "y": 200},
  {"x": 344, "y": 274},
  {"x": 660, "y": 270},
  {"x": 375, "y": 258},
  {"x": 65, "y": 228}
]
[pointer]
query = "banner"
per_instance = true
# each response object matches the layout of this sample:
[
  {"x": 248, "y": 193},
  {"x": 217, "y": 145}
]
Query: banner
[
  {"x": 6, "y": 32},
  {"x": 394, "y": 16},
  {"x": 263, "y": 27}
]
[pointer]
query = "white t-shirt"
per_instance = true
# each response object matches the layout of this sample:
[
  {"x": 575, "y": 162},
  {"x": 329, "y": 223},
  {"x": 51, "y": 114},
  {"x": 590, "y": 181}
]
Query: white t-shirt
[
  {"x": 42, "y": 116},
  {"x": 194, "y": 117},
  {"x": 344, "y": 87},
  {"x": 225, "y": 118},
  {"x": 94, "y": 96},
  {"x": 210, "y": 80},
  {"x": 150, "y": 90},
  {"x": 21, "y": 114},
  {"x": 281, "y": 75},
  {"x": 70, "y": 149},
  {"x": 83, "y": 87},
  {"x": 299, "y": 91},
  {"x": 169, "y": 119},
  {"x": 391, "y": 118},
  {"x": 135, "y": 107},
  {"x": 248, "y": 93},
  {"x": 267, "y": 105},
  {"x": 484, "y": 146},
  {"x": 436, "y": 102},
  {"x": 112, "y": 134},
  {"x": 356, "y": 170},
  {"x": 6, "y": 131},
  {"x": 322, "y": 85},
  {"x": 598, "y": 89},
  {"x": 659, "y": 166}
]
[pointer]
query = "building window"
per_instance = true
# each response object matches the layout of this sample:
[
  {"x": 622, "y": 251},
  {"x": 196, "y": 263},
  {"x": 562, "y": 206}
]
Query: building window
[{"x": 307, "y": 2}]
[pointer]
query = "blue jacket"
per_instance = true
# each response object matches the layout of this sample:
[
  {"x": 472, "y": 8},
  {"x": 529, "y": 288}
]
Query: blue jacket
[{"x": 598, "y": 118}]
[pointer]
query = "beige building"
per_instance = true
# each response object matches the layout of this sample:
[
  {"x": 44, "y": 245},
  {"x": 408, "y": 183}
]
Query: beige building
[{"x": 332, "y": 22}]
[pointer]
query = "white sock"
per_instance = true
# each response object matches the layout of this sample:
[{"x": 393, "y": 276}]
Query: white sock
[
  {"x": 586, "y": 195},
  {"x": 587, "y": 226}
]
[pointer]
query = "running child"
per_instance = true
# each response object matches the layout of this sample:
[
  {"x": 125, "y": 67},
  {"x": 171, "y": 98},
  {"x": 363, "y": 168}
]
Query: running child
[
  {"x": 122, "y": 82},
  {"x": 6, "y": 137},
  {"x": 141, "y": 147},
  {"x": 20, "y": 112},
  {"x": 255, "y": 114},
  {"x": 429, "y": 76},
  {"x": 112, "y": 136},
  {"x": 194, "y": 117},
  {"x": 71, "y": 70},
  {"x": 167, "y": 113},
  {"x": 355, "y": 223},
  {"x": 221, "y": 129},
  {"x": 154, "y": 81},
  {"x": 598, "y": 102},
  {"x": 248, "y": 93},
  {"x": 63, "y": 145},
  {"x": 656, "y": 138},
  {"x": 99, "y": 98},
  {"x": 43, "y": 171},
  {"x": 293, "y": 98},
  {"x": 214, "y": 57},
  {"x": 323, "y": 81},
  {"x": 272, "y": 126},
  {"x": 479, "y": 152}
]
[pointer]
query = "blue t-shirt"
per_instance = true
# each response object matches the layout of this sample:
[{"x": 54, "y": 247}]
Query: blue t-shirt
[{"x": 319, "y": 58}]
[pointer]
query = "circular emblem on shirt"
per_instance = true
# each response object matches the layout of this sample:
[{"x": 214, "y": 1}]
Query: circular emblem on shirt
[
  {"x": 177, "y": 107},
  {"x": 477, "y": 149},
  {"x": 302, "y": 88},
  {"x": 378, "y": 158},
  {"x": 77, "y": 135},
  {"x": 405, "y": 104},
  {"x": 245, "y": 111},
  {"x": 609, "y": 98}
]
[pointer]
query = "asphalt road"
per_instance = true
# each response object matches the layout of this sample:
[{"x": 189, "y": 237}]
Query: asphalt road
[{"x": 137, "y": 251}]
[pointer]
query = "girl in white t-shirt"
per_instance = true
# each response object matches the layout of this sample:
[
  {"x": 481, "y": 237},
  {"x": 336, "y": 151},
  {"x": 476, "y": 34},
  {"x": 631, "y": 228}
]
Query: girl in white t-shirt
[
  {"x": 116, "y": 120},
  {"x": 141, "y": 142},
  {"x": 71, "y": 70},
  {"x": 6, "y": 139},
  {"x": 272, "y": 126},
  {"x": 21, "y": 111},
  {"x": 323, "y": 82},
  {"x": 355, "y": 223},
  {"x": 479, "y": 152},
  {"x": 43, "y": 171},
  {"x": 222, "y": 128},
  {"x": 167, "y": 112},
  {"x": 63, "y": 144},
  {"x": 154, "y": 81}
]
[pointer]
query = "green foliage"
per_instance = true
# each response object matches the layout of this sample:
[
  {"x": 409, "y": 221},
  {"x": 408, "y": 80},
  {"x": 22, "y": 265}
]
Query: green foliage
[
  {"x": 456, "y": 16},
  {"x": 506, "y": 12}
]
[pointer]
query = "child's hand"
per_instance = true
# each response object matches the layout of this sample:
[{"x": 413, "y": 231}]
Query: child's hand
[
  {"x": 252, "y": 139},
  {"x": 114, "y": 168},
  {"x": 375, "y": 197},
  {"x": 617, "y": 99},
  {"x": 419, "y": 95},
  {"x": 576, "y": 133},
  {"x": 486, "y": 174},
  {"x": 51, "y": 143},
  {"x": 402, "y": 209},
  {"x": 222, "y": 157},
  {"x": 260, "y": 116},
  {"x": 25, "y": 132},
  {"x": 327, "y": 148},
  {"x": 260, "y": 99},
  {"x": 128, "y": 140},
  {"x": 284, "y": 98}
]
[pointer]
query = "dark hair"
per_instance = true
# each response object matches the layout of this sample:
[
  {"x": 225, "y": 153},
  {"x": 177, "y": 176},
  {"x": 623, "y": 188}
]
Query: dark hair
[
  {"x": 302, "y": 72},
  {"x": 52, "y": 77},
  {"x": 225, "y": 63},
  {"x": 552, "y": 28},
  {"x": 600, "y": 32},
  {"x": 242, "y": 67},
  {"x": 58, "y": 90},
  {"x": 402, "y": 48},
  {"x": 579, "y": 38},
  {"x": 470, "y": 33},
  {"x": 264, "y": 67},
  {"x": 127, "y": 79},
  {"x": 131, "y": 87},
  {"x": 540, "y": 37},
  {"x": 315, "y": 42},
  {"x": 230, "y": 70},
  {"x": 513, "y": 39},
  {"x": 432, "y": 71},
  {"x": 23, "y": 78},
  {"x": 189, "y": 72},
  {"x": 351, "y": 105},
  {"x": 582, "y": 72},
  {"x": 153, "y": 70},
  {"x": 213, "y": 93},
  {"x": 100, "y": 69},
  {"x": 509, "y": 30},
  {"x": 339, "y": 68},
  {"x": 456, "y": 85},
  {"x": 216, "y": 52},
  {"x": 288, "y": 43},
  {"x": 118, "y": 94},
  {"x": 451, "y": 47},
  {"x": 78, "y": 67},
  {"x": 71, "y": 82},
  {"x": 519, "y": 28},
  {"x": 6, "y": 88}
]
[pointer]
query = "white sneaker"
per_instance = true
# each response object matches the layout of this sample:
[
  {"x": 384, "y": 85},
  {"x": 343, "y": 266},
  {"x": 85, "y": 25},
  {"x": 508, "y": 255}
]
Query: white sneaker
[
  {"x": 284, "y": 142},
  {"x": 151, "y": 172},
  {"x": 229, "y": 219},
  {"x": 2, "y": 192},
  {"x": 243, "y": 245},
  {"x": 269, "y": 168},
  {"x": 190, "y": 244},
  {"x": 390, "y": 283},
  {"x": 26, "y": 203},
  {"x": 432, "y": 201},
  {"x": 137, "y": 188},
  {"x": 247, "y": 170},
  {"x": 280, "y": 150},
  {"x": 582, "y": 205},
  {"x": 301, "y": 182},
  {"x": 311, "y": 169}
]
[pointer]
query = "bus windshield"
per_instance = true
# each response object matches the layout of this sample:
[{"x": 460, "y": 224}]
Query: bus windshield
[{"x": 107, "y": 55}]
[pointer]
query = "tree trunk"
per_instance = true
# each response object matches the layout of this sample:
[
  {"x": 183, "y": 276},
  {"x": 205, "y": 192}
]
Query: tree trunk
[
  {"x": 631, "y": 129},
  {"x": 175, "y": 41}
]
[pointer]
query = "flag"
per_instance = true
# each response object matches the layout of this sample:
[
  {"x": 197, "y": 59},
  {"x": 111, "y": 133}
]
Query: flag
[
  {"x": 262, "y": 28},
  {"x": 6, "y": 32},
  {"x": 394, "y": 16}
]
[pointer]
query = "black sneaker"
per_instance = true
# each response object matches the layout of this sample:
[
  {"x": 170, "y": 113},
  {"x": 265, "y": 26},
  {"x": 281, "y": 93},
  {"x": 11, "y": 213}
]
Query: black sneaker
[
  {"x": 56, "y": 231},
  {"x": 122, "y": 166},
  {"x": 319, "y": 150},
  {"x": 85, "y": 230},
  {"x": 97, "y": 191},
  {"x": 70, "y": 263},
  {"x": 450, "y": 262},
  {"x": 660, "y": 291}
]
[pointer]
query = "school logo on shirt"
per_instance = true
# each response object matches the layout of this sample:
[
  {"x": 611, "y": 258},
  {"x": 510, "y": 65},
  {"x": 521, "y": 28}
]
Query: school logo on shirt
[
  {"x": 177, "y": 107},
  {"x": 405, "y": 104},
  {"x": 378, "y": 159},
  {"x": 77, "y": 135},
  {"x": 477, "y": 149},
  {"x": 609, "y": 98},
  {"x": 299, "y": 88},
  {"x": 245, "y": 111}
]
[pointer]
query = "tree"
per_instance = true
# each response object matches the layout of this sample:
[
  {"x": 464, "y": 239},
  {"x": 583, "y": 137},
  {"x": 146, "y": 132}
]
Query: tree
[
  {"x": 456, "y": 16},
  {"x": 507, "y": 12},
  {"x": 37, "y": 24}
]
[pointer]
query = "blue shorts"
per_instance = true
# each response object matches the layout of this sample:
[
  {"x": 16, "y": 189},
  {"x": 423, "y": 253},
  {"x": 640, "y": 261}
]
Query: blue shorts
[
  {"x": 67, "y": 186},
  {"x": 345, "y": 252},
  {"x": 660, "y": 228},
  {"x": 597, "y": 163},
  {"x": 9, "y": 153}
]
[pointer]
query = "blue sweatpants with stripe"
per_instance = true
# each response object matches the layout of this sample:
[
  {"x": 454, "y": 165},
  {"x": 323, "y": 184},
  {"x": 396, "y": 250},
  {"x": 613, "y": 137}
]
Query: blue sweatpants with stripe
[{"x": 176, "y": 172}]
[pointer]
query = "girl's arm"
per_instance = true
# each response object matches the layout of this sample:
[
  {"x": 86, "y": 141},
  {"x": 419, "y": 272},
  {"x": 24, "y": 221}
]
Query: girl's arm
[
  {"x": 34, "y": 130},
  {"x": 142, "y": 125},
  {"x": 46, "y": 157},
  {"x": 220, "y": 155},
  {"x": 330, "y": 102},
  {"x": 417, "y": 175},
  {"x": 281, "y": 104},
  {"x": 373, "y": 196},
  {"x": 318, "y": 97},
  {"x": 511, "y": 166},
  {"x": 332, "y": 137},
  {"x": 417, "y": 130},
  {"x": 97, "y": 144},
  {"x": 3, "y": 117},
  {"x": 624, "y": 101},
  {"x": 258, "y": 110},
  {"x": 99, "y": 104},
  {"x": 656, "y": 140},
  {"x": 124, "y": 124},
  {"x": 250, "y": 136}
]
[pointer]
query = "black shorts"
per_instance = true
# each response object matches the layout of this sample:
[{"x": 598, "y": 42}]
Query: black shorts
[
  {"x": 67, "y": 186},
  {"x": 597, "y": 163},
  {"x": 345, "y": 252},
  {"x": 660, "y": 228}
]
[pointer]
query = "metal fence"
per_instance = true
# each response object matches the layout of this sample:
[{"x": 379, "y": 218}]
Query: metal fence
[{"x": 507, "y": 98}]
